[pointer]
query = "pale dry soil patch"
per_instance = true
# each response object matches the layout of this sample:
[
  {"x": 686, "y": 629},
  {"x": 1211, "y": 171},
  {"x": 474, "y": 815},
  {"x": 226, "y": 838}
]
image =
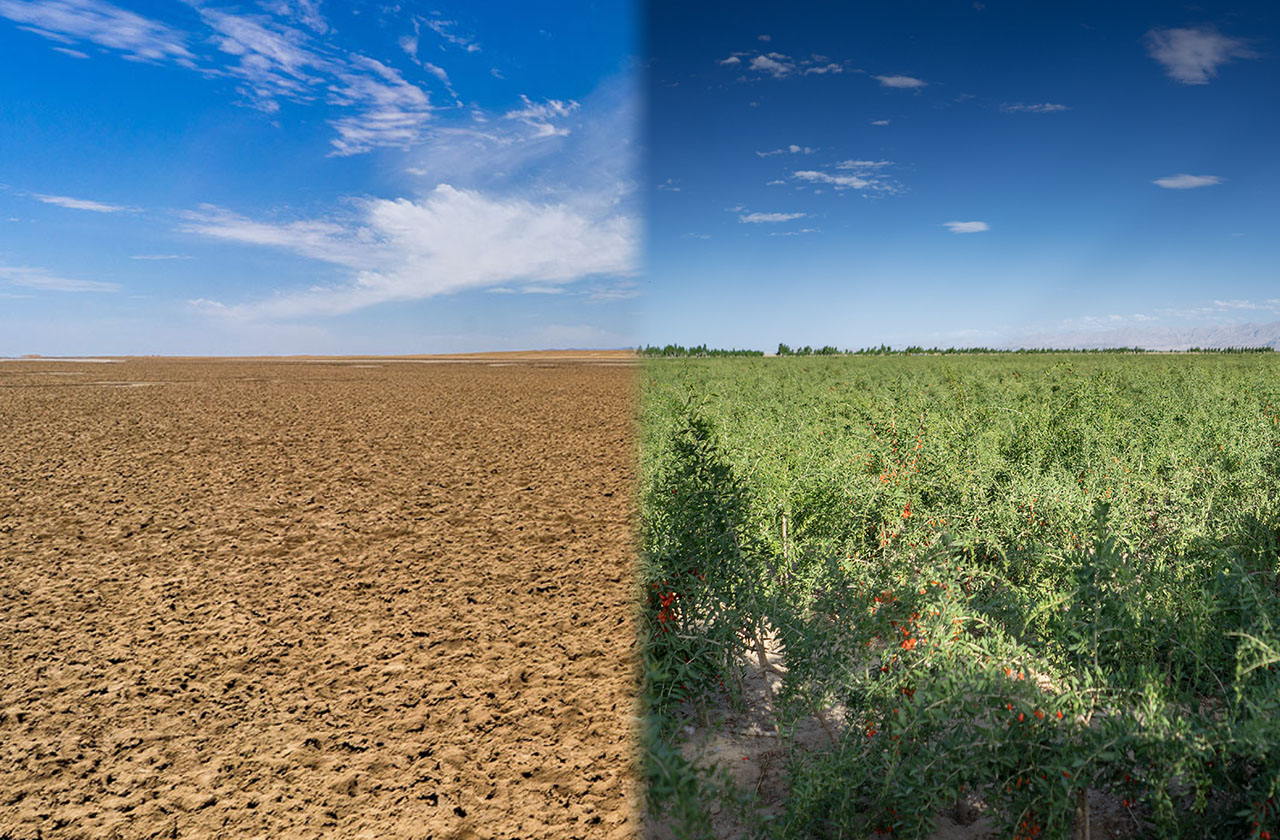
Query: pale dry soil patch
[{"x": 287, "y": 600}]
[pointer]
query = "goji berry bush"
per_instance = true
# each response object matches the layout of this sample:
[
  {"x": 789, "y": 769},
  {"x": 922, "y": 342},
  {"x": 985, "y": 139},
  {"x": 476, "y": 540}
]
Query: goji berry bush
[{"x": 1025, "y": 581}]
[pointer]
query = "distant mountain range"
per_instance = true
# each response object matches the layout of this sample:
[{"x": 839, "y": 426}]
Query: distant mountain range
[{"x": 1160, "y": 338}]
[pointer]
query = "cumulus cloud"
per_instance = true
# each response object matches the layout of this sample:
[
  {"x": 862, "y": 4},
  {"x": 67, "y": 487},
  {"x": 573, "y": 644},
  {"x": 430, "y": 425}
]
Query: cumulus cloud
[
  {"x": 1193, "y": 56},
  {"x": 1187, "y": 182},
  {"x": 903, "y": 82},
  {"x": 39, "y": 278},
  {"x": 453, "y": 239},
  {"x": 769, "y": 218},
  {"x": 81, "y": 204},
  {"x": 967, "y": 227},
  {"x": 776, "y": 65}
]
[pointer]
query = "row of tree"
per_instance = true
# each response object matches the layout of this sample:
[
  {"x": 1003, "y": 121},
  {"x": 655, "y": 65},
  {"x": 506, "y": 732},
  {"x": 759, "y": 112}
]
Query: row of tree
[
  {"x": 700, "y": 351},
  {"x": 703, "y": 351}
]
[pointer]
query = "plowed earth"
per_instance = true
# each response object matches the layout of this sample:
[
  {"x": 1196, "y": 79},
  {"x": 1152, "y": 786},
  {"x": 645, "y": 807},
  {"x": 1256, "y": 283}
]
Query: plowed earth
[{"x": 302, "y": 599}]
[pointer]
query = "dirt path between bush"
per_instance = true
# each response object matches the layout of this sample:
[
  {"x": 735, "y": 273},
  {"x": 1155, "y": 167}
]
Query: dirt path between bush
[{"x": 305, "y": 599}]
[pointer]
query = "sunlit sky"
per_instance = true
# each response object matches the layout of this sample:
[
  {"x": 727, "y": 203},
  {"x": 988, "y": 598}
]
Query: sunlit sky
[
  {"x": 959, "y": 173},
  {"x": 313, "y": 176}
]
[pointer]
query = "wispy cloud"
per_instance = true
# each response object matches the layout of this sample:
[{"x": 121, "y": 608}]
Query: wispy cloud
[
  {"x": 539, "y": 115},
  {"x": 452, "y": 240},
  {"x": 391, "y": 112},
  {"x": 880, "y": 122},
  {"x": 270, "y": 59},
  {"x": 305, "y": 12},
  {"x": 823, "y": 69},
  {"x": 778, "y": 65},
  {"x": 769, "y": 218},
  {"x": 39, "y": 278},
  {"x": 867, "y": 175},
  {"x": 1187, "y": 182},
  {"x": 96, "y": 22},
  {"x": 793, "y": 149},
  {"x": 446, "y": 30},
  {"x": 1193, "y": 56},
  {"x": 81, "y": 204},
  {"x": 902, "y": 82},
  {"x": 1024, "y": 108},
  {"x": 966, "y": 227}
]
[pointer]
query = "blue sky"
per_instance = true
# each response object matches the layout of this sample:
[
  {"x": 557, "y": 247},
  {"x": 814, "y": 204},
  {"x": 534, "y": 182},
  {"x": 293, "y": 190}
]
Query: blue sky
[
  {"x": 958, "y": 173},
  {"x": 313, "y": 176}
]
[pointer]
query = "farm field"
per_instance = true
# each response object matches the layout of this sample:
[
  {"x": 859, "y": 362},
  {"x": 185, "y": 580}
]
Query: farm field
[
  {"x": 1006, "y": 596},
  {"x": 317, "y": 598}
]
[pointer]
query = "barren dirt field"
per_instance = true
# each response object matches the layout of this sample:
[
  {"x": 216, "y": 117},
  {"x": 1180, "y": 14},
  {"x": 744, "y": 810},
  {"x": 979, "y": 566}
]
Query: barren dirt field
[{"x": 291, "y": 599}]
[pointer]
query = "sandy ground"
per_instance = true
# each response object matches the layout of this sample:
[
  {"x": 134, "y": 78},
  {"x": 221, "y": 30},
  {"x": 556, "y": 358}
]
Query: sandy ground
[
  {"x": 745, "y": 743},
  {"x": 288, "y": 600}
]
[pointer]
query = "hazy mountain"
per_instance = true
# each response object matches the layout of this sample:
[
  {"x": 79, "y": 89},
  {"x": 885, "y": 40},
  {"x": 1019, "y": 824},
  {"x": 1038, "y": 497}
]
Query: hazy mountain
[{"x": 1161, "y": 338}]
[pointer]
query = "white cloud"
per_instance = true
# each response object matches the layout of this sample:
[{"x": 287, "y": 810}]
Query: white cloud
[
  {"x": 907, "y": 82},
  {"x": 539, "y": 115},
  {"x": 270, "y": 59},
  {"x": 865, "y": 175},
  {"x": 770, "y": 218},
  {"x": 967, "y": 227},
  {"x": 781, "y": 66},
  {"x": 452, "y": 240},
  {"x": 392, "y": 111},
  {"x": 1187, "y": 182},
  {"x": 81, "y": 204},
  {"x": 791, "y": 149},
  {"x": 669, "y": 186},
  {"x": 880, "y": 122},
  {"x": 1044, "y": 108},
  {"x": 840, "y": 181},
  {"x": 776, "y": 65},
  {"x": 72, "y": 21},
  {"x": 39, "y": 278},
  {"x": 444, "y": 28},
  {"x": 765, "y": 38},
  {"x": 159, "y": 257},
  {"x": 1192, "y": 56},
  {"x": 306, "y": 12}
]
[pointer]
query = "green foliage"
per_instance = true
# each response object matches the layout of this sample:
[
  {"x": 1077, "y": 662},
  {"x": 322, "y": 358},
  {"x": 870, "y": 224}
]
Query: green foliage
[
  {"x": 701, "y": 351},
  {"x": 1021, "y": 576}
]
